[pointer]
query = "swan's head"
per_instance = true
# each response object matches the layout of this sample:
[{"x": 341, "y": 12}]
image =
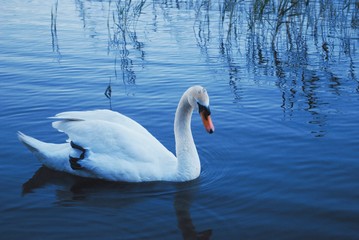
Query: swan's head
[{"x": 199, "y": 99}]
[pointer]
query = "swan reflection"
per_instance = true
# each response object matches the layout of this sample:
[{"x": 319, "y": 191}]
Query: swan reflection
[{"x": 72, "y": 190}]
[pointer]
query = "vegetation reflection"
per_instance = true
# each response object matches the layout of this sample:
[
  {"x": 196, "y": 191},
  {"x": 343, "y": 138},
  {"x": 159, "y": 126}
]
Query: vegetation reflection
[
  {"x": 308, "y": 46},
  {"x": 298, "y": 42}
]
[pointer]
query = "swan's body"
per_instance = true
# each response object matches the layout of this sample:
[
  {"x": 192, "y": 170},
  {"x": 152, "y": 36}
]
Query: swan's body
[{"x": 108, "y": 145}]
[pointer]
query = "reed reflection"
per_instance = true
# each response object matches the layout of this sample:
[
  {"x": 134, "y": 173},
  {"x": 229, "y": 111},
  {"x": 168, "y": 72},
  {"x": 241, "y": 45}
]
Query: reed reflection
[
  {"x": 291, "y": 41},
  {"x": 121, "y": 18},
  {"x": 54, "y": 38},
  {"x": 298, "y": 42},
  {"x": 121, "y": 25},
  {"x": 71, "y": 190}
]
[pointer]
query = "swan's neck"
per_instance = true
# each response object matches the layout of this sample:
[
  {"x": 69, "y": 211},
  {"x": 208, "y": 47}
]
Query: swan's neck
[{"x": 189, "y": 166}]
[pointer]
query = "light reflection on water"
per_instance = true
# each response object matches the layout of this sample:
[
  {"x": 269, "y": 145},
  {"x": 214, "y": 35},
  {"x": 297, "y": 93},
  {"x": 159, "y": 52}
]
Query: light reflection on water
[{"x": 284, "y": 91}]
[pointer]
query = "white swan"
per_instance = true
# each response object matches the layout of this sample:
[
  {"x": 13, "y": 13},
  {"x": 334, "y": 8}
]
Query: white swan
[{"x": 108, "y": 145}]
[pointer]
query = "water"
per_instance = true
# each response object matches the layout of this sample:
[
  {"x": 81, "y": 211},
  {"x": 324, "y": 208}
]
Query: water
[{"x": 284, "y": 88}]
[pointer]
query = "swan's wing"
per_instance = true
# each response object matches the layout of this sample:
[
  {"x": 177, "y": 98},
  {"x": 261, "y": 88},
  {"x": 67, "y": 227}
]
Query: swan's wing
[
  {"x": 103, "y": 114},
  {"x": 117, "y": 150}
]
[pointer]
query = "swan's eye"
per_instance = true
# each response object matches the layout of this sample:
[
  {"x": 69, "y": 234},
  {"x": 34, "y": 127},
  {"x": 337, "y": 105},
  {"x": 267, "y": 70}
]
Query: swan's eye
[{"x": 204, "y": 109}]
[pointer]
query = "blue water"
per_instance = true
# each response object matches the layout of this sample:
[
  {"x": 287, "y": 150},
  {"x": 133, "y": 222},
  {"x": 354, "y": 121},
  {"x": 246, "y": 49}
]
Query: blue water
[{"x": 282, "y": 164}]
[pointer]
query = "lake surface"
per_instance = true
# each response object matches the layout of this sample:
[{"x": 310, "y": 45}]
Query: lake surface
[{"x": 284, "y": 87}]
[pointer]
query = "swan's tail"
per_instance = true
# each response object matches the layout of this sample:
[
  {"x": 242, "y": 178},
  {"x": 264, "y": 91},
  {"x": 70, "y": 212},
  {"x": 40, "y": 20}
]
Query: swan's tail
[
  {"x": 34, "y": 145},
  {"x": 53, "y": 155}
]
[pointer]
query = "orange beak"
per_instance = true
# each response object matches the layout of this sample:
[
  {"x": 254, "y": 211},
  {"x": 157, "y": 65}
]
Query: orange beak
[{"x": 207, "y": 121}]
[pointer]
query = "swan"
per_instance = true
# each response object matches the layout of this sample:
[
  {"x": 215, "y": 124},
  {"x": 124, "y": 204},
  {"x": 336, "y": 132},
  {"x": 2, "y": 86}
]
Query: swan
[{"x": 107, "y": 145}]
